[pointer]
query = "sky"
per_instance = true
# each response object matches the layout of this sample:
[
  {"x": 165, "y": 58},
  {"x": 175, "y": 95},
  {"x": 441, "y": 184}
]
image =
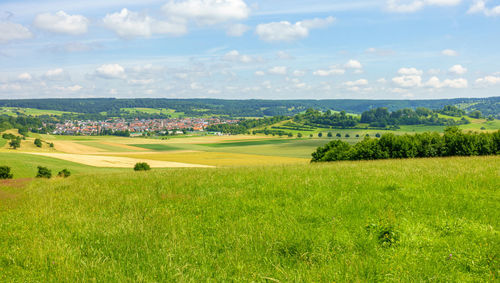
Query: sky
[{"x": 250, "y": 49}]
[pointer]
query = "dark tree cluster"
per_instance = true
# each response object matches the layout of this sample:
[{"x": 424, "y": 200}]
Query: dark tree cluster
[
  {"x": 328, "y": 119},
  {"x": 244, "y": 126},
  {"x": 454, "y": 142}
]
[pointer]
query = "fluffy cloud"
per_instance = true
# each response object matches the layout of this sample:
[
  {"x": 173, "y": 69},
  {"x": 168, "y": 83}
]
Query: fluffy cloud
[
  {"x": 235, "y": 56},
  {"x": 449, "y": 52},
  {"x": 488, "y": 80},
  {"x": 329, "y": 72},
  {"x": 260, "y": 73},
  {"x": 128, "y": 24},
  {"x": 409, "y": 6},
  {"x": 111, "y": 71},
  {"x": 278, "y": 70},
  {"x": 353, "y": 64},
  {"x": 56, "y": 75},
  {"x": 206, "y": 12},
  {"x": 479, "y": 6},
  {"x": 74, "y": 88},
  {"x": 61, "y": 22},
  {"x": 360, "y": 82},
  {"x": 434, "y": 82},
  {"x": 11, "y": 31},
  {"x": 237, "y": 30},
  {"x": 299, "y": 73},
  {"x": 410, "y": 72},
  {"x": 286, "y": 31},
  {"x": 458, "y": 70},
  {"x": 408, "y": 81},
  {"x": 25, "y": 77}
]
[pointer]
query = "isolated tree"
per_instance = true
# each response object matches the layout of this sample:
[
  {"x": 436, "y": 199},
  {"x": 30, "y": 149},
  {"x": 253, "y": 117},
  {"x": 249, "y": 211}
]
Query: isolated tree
[
  {"x": 347, "y": 135},
  {"x": 290, "y": 135},
  {"x": 15, "y": 143},
  {"x": 44, "y": 172},
  {"x": 367, "y": 135},
  {"x": 311, "y": 135},
  {"x": 330, "y": 134},
  {"x": 5, "y": 172},
  {"x": 51, "y": 144},
  {"x": 476, "y": 114},
  {"x": 299, "y": 135},
  {"x": 377, "y": 135},
  {"x": 38, "y": 142},
  {"x": 65, "y": 173},
  {"x": 338, "y": 135},
  {"x": 142, "y": 166},
  {"x": 320, "y": 135},
  {"x": 357, "y": 136}
]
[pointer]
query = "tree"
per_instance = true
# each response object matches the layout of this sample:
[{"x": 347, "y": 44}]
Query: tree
[
  {"x": 44, "y": 172},
  {"x": 5, "y": 172},
  {"x": 347, "y": 135},
  {"x": 142, "y": 166},
  {"x": 38, "y": 142},
  {"x": 51, "y": 144},
  {"x": 15, "y": 143},
  {"x": 320, "y": 135},
  {"x": 330, "y": 134},
  {"x": 377, "y": 135},
  {"x": 475, "y": 114},
  {"x": 299, "y": 135},
  {"x": 65, "y": 173},
  {"x": 338, "y": 135}
]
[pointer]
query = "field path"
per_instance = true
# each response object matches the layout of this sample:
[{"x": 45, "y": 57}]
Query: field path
[{"x": 116, "y": 162}]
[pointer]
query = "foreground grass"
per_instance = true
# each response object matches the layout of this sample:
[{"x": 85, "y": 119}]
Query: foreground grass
[{"x": 287, "y": 223}]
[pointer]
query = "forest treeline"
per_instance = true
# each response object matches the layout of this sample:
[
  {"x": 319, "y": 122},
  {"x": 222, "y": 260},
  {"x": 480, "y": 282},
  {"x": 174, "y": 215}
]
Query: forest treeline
[
  {"x": 245, "y": 108},
  {"x": 453, "y": 142}
]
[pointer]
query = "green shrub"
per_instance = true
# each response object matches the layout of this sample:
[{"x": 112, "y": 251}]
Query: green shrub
[
  {"x": 38, "y": 142},
  {"x": 44, "y": 172},
  {"x": 65, "y": 173},
  {"x": 15, "y": 143},
  {"x": 142, "y": 166},
  {"x": 5, "y": 172}
]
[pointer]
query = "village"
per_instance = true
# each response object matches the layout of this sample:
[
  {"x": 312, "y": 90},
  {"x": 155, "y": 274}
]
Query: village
[{"x": 138, "y": 127}]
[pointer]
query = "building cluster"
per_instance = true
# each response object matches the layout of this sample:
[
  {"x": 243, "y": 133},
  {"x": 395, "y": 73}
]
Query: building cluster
[{"x": 138, "y": 127}]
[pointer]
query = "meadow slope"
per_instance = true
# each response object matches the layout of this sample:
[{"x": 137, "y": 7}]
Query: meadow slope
[{"x": 390, "y": 220}]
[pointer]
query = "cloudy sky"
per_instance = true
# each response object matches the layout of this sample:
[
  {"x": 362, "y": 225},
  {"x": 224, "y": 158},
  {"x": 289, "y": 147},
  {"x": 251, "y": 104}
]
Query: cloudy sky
[{"x": 245, "y": 49}]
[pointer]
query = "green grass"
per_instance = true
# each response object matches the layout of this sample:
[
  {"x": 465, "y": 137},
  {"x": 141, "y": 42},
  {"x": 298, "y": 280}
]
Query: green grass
[
  {"x": 304, "y": 223},
  {"x": 2, "y": 142},
  {"x": 165, "y": 111},
  {"x": 25, "y": 165},
  {"x": 106, "y": 147},
  {"x": 157, "y": 147},
  {"x": 12, "y": 111}
]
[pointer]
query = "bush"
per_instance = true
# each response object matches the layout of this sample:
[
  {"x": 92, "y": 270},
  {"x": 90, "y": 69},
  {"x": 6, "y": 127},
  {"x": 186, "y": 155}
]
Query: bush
[
  {"x": 51, "y": 144},
  {"x": 38, "y": 142},
  {"x": 347, "y": 136},
  {"x": 320, "y": 135},
  {"x": 377, "y": 135},
  {"x": 330, "y": 134},
  {"x": 5, "y": 172},
  {"x": 65, "y": 173},
  {"x": 44, "y": 172},
  {"x": 15, "y": 143},
  {"x": 142, "y": 166},
  {"x": 338, "y": 135},
  {"x": 299, "y": 135}
]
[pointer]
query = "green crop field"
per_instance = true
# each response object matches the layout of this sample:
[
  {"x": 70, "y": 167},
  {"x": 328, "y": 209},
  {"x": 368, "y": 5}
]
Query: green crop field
[
  {"x": 2, "y": 142},
  {"x": 170, "y": 112},
  {"x": 392, "y": 220},
  {"x": 247, "y": 143},
  {"x": 12, "y": 111},
  {"x": 157, "y": 147}
]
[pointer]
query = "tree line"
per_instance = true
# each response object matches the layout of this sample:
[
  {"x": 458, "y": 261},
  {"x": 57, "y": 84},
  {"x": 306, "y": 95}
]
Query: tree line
[{"x": 453, "y": 142}]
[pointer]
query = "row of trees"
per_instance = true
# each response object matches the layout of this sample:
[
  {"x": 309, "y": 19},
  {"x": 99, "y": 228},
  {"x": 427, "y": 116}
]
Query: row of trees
[
  {"x": 43, "y": 172},
  {"x": 454, "y": 142},
  {"x": 244, "y": 126}
]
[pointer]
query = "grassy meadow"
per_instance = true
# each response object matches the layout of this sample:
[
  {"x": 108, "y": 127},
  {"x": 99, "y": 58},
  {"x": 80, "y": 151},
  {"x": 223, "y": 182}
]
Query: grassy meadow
[{"x": 391, "y": 220}]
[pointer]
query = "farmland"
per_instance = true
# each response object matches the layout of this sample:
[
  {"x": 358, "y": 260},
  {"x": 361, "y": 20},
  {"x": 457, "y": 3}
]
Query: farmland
[{"x": 391, "y": 220}]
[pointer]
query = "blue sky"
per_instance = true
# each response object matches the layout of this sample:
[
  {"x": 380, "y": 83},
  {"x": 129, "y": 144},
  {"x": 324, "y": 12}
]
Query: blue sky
[{"x": 250, "y": 49}]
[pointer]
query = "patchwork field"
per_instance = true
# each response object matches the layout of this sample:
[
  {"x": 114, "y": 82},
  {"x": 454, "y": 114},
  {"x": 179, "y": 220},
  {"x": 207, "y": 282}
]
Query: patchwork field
[{"x": 392, "y": 220}]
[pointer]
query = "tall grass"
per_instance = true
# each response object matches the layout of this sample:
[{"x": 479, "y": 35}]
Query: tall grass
[{"x": 392, "y": 220}]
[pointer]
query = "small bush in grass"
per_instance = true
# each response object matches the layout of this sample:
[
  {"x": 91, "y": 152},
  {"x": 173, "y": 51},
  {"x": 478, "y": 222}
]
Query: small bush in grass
[
  {"x": 65, "y": 173},
  {"x": 51, "y": 144},
  {"x": 38, "y": 142},
  {"x": 142, "y": 166},
  {"x": 386, "y": 234},
  {"x": 15, "y": 143},
  {"x": 44, "y": 172},
  {"x": 5, "y": 172}
]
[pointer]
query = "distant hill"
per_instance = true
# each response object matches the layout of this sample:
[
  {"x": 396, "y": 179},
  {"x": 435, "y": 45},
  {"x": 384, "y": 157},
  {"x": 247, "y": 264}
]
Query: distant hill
[{"x": 249, "y": 108}]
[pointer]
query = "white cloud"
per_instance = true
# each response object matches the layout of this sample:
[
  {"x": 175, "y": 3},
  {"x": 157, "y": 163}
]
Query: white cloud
[
  {"x": 360, "y": 82},
  {"x": 329, "y": 72},
  {"x": 449, "y": 52},
  {"x": 283, "y": 55},
  {"x": 299, "y": 73},
  {"x": 237, "y": 30},
  {"x": 141, "y": 81},
  {"x": 25, "y": 77},
  {"x": 410, "y": 6},
  {"x": 408, "y": 81},
  {"x": 61, "y": 22},
  {"x": 111, "y": 71},
  {"x": 278, "y": 70},
  {"x": 260, "y": 73},
  {"x": 434, "y": 82},
  {"x": 11, "y": 31},
  {"x": 56, "y": 75},
  {"x": 353, "y": 64},
  {"x": 479, "y": 6},
  {"x": 488, "y": 80},
  {"x": 410, "y": 72},
  {"x": 206, "y": 12},
  {"x": 128, "y": 24},
  {"x": 458, "y": 70},
  {"x": 74, "y": 88},
  {"x": 382, "y": 81},
  {"x": 235, "y": 56},
  {"x": 286, "y": 31}
]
